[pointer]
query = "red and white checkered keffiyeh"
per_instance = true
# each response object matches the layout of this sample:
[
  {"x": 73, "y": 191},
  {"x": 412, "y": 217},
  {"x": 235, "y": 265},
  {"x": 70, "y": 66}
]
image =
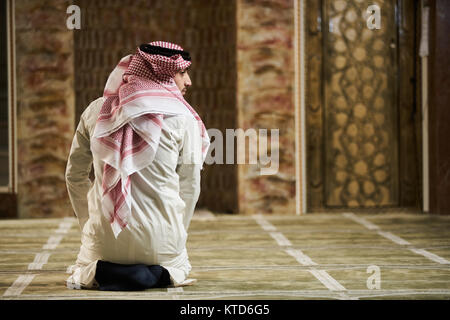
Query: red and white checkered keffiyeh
[{"x": 139, "y": 93}]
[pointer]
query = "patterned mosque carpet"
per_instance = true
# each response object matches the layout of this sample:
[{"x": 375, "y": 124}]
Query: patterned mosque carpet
[{"x": 314, "y": 256}]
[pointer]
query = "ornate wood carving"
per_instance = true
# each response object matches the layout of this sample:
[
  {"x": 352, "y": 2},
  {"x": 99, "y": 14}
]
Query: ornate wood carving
[{"x": 362, "y": 146}]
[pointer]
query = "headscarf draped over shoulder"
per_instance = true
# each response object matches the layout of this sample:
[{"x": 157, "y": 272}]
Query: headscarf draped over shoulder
[{"x": 139, "y": 93}]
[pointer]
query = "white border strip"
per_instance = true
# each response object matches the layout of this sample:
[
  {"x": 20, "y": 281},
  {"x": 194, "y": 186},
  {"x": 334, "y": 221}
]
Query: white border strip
[
  {"x": 431, "y": 256},
  {"x": 40, "y": 259},
  {"x": 266, "y": 225},
  {"x": 302, "y": 103},
  {"x": 52, "y": 242},
  {"x": 19, "y": 285},
  {"x": 396, "y": 239},
  {"x": 321, "y": 275},
  {"x": 362, "y": 221},
  {"x": 65, "y": 226},
  {"x": 423, "y": 53},
  {"x": 208, "y": 295},
  {"x": 280, "y": 239},
  {"x": 299, "y": 104}
]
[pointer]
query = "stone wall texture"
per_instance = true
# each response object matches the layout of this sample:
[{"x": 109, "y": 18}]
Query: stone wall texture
[
  {"x": 265, "y": 51},
  {"x": 45, "y": 106}
]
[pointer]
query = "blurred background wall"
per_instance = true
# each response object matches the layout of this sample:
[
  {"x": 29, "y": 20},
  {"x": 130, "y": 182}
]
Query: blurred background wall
[
  {"x": 60, "y": 71},
  {"x": 207, "y": 29},
  {"x": 363, "y": 110}
]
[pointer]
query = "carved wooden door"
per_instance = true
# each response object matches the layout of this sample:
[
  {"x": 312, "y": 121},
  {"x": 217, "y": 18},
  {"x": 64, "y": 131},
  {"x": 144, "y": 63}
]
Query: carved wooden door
[{"x": 361, "y": 106}]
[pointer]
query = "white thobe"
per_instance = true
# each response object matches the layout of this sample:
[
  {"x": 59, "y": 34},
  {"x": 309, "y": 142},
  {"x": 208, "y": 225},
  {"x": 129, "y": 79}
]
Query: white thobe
[{"x": 164, "y": 196}]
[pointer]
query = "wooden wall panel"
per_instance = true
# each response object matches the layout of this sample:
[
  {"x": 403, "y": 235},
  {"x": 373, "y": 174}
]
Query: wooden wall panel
[
  {"x": 439, "y": 100},
  {"x": 363, "y": 127},
  {"x": 112, "y": 29}
]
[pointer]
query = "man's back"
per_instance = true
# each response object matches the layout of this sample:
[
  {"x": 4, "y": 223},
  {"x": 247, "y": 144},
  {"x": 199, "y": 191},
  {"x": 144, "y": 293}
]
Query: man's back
[{"x": 163, "y": 197}]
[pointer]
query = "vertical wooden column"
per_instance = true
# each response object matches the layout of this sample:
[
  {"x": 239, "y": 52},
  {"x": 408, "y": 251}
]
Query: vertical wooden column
[{"x": 439, "y": 113}]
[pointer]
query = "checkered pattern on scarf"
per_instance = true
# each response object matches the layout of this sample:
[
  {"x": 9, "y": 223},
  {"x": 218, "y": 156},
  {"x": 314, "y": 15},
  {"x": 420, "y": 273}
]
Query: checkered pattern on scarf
[
  {"x": 124, "y": 151},
  {"x": 159, "y": 67}
]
